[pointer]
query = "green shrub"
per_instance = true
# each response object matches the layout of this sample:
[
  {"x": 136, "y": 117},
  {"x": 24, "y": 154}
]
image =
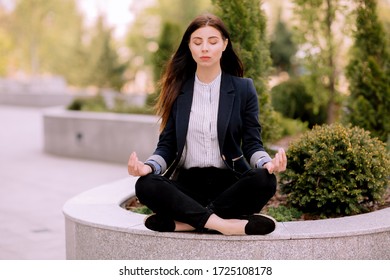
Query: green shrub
[
  {"x": 292, "y": 99},
  {"x": 98, "y": 104},
  {"x": 142, "y": 210},
  {"x": 291, "y": 126},
  {"x": 94, "y": 103},
  {"x": 284, "y": 214},
  {"x": 335, "y": 171},
  {"x": 121, "y": 106}
]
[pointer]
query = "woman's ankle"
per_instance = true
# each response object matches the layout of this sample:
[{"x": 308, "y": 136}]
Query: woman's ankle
[
  {"x": 226, "y": 226},
  {"x": 179, "y": 226}
]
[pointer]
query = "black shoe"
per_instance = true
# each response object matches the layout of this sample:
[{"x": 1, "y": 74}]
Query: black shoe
[
  {"x": 160, "y": 223},
  {"x": 259, "y": 225}
]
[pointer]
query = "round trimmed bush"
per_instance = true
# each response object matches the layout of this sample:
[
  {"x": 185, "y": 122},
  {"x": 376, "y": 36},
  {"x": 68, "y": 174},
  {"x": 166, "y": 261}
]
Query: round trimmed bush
[{"x": 335, "y": 171}]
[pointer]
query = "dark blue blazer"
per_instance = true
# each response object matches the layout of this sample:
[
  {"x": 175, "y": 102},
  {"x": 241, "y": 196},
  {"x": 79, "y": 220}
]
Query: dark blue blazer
[{"x": 239, "y": 131}]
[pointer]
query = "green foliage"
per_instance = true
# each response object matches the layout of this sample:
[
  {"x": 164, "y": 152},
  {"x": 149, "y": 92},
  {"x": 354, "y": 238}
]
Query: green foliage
[
  {"x": 97, "y": 103},
  {"x": 291, "y": 127},
  {"x": 335, "y": 171},
  {"x": 284, "y": 214},
  {"x": 6, "y": 44},
  {"x": 292, "y": 99},
  {"x": 181, "y": 12},
  {"x": 384, "y": 15},
  {"x": 5, "y": 49},
  {"x": 321, "y": 48},
  {"x": 151, "y": 101},
  {"x": 94, "y": 103},
  {"x": 142, "y": 210},
  {"x": 282, "y": 48},
  {"x": 48, "y": 37},
  {"x": 168, "y": 42},
  {"x": 121, "y": 106},
  {"x": 246, "y": 23},
  {"x": 44, "y": 33},
  {"x": 103, "y": 67},
  {"x": 369, "y": 74},
  {"x": 145, "y": 31}
]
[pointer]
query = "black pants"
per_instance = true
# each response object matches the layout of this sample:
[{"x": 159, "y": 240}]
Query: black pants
[{"x": 200, "y": 192}]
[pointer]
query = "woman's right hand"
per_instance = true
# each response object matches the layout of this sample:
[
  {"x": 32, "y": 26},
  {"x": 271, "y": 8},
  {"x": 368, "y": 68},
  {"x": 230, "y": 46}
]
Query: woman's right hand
[{"x": 136, "y": 167}]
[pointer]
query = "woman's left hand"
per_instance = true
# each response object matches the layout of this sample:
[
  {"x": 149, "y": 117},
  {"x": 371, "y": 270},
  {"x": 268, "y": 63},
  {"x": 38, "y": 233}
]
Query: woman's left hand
[{"x": 278, "y": 163}]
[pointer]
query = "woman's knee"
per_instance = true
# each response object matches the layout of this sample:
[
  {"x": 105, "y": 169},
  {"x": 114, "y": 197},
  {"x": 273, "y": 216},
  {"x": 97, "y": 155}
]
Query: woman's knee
[
  {"x": 145, "y": 185},
  {"x": 270, "y": 181},
  {"x": 264, "y": 179},
  {"x": 152, "y": 186}
]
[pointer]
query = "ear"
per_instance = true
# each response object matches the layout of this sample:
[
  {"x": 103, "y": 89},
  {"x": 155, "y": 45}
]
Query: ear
[{"x": 225, "y": 43}]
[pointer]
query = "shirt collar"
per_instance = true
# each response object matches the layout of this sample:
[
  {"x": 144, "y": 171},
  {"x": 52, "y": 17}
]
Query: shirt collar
[{"x": 212, "y": 83}]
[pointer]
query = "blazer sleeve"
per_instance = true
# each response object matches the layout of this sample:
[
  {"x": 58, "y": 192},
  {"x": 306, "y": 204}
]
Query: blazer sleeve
[
  {"x": 252, "y": 143},
  {"x": 166, "y": 150}
]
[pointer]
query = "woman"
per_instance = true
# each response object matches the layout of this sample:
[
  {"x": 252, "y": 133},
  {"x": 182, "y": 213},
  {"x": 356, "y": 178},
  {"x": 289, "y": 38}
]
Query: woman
[{"x": 209, "y": 170}]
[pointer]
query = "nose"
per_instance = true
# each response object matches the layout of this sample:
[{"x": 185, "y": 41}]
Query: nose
[{"x": 205, "y": 47}]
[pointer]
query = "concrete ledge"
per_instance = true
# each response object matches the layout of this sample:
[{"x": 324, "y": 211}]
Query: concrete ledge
[
  {"x": 36, "y": 99},
  {"x": 97, "y": 227},
  {"x": 106, "y": 137},
  {"x": 52, "y": 97}
]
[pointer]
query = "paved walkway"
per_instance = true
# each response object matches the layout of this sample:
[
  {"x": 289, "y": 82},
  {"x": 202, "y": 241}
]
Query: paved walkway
[{"x": 34, "y": 186}]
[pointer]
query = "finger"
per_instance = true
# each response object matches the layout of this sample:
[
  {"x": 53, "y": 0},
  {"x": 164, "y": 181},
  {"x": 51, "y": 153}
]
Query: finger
[
  {"x": 283, "y": 159},
  {"x": 282, "y": 154},
  {"x": 132, "y": 164},
  {"x": 132, "y": 161},
  {"x": 276, "y": 162},
  {"x": 132, "y": 158},
  {"x": 136, "y": 164}
]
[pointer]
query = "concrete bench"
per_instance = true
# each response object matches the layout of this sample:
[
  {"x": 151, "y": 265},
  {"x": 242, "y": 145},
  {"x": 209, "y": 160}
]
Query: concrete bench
[
  {"x": 98, "y": 227},
  {"x": 100, "y": 136}
]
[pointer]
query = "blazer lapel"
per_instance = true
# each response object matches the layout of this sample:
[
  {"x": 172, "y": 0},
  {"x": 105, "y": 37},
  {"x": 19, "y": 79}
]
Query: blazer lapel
[
  {"x": 184, "y": 102},
  {"x": 226, "y": 100}
]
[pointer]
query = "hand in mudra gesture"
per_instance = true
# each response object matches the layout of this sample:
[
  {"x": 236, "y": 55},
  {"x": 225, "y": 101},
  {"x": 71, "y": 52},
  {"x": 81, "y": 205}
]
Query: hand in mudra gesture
[
  {"x": 278, "y": 163},
  {"x": 136, "y": 167}
]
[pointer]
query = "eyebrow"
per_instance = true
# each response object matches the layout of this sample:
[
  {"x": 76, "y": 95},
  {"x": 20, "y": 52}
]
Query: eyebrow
[{"x": 212, "y": 37}]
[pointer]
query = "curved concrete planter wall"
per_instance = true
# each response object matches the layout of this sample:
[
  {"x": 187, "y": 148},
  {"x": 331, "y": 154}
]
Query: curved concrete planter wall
[
  {"x": 97, "y": 227},
  {"x": 99, "y": 136}
]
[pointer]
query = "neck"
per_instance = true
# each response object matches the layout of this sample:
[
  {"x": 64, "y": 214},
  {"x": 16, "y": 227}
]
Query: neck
[{"x": 207, "y": 75}]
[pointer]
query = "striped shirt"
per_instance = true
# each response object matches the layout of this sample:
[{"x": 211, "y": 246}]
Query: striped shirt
[{"x": 201, "y": 148}]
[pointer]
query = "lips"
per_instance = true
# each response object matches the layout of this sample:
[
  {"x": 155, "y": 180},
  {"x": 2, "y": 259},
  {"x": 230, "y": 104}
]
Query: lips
[{"x": 205, "y": 57}]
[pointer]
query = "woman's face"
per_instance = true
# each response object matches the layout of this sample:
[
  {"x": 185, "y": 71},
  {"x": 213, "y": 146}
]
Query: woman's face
[{"x": 206, "y": 46}]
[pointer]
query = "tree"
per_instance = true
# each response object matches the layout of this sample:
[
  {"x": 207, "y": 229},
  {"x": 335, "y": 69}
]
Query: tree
[
  {"x": 168, "y": 42},
  {"x": 292, "y": 100},
  {"x": 103, "y": 67},
  {"x": 282, "y": 48},
  {"x": 384, "y": 14},
  {"x": 49, "y": 37},
  {"x": 181, "y": 12},
  {"x": 5, "y": 42},
  {"x": 369, "y": 73},
  {"x": 246, "y": 23},
  {"x": 320, "y": 29},
  {"x": 174, "y": 16},
  {"x": 44, "y": 32}
]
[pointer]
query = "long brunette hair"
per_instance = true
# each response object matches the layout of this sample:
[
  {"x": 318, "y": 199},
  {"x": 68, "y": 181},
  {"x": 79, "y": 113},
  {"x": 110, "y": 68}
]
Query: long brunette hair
[{"x": 182, "y": 66}]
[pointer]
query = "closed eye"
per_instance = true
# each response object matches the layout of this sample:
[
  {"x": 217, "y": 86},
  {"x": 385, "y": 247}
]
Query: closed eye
[{"x": 197, "y": 41}]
